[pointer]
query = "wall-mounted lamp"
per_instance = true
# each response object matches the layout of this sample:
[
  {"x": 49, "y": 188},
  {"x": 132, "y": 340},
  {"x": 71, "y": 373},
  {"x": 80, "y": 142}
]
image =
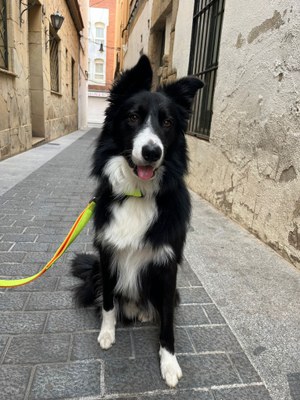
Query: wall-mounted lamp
[
  {"x": 101, "y": 49},
  {"x": 57, "y": 20}
]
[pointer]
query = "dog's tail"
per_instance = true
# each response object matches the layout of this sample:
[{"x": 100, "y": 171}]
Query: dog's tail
[{"x": 87, "y": 268}]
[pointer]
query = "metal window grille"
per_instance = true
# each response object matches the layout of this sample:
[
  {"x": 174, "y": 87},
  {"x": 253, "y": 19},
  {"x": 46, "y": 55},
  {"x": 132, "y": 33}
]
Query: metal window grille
[
  {"x": 206, "y": 34},
  {"x": 3, "y": 35},
  {"x": 54, "y": 67},
  {"x": 73, "y": 78}
]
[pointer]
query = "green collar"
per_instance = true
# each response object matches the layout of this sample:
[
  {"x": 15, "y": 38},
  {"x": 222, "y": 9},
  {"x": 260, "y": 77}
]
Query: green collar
[{"x": 134, "y": 193}]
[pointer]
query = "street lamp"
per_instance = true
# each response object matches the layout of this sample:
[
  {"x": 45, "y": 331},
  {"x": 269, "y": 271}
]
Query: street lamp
[{"x": 56, "y": 20}]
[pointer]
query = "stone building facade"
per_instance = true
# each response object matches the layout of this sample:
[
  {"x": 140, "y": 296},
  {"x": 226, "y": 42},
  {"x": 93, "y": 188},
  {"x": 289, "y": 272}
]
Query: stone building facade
[
  {"x": 40, "y": 72},
  {"x": 244, "y": 143}
]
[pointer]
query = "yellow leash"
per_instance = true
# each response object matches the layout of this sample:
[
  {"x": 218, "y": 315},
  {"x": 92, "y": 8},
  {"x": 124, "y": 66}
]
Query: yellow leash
[{"x": 77, "y": 227}]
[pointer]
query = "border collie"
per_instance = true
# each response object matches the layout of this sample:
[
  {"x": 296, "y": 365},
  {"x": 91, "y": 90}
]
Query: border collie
[{"x": 142, "y": 208}]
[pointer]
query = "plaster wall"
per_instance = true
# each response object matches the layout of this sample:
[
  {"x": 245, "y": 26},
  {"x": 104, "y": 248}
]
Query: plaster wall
[
  {"x": 97, "y": 15},
  {"x": 83, "y": 70},
  {"x": 250, "y": 168},
  {"x": 182, "y": 39},
  {"x": 139, "y": 36}
]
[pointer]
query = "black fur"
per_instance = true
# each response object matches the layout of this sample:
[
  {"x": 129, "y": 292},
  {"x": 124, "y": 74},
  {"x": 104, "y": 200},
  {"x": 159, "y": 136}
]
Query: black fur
[{"x": 132, "y": 106}]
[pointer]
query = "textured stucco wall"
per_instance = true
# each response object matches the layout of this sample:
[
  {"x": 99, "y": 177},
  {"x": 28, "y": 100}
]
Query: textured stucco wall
[
  {"x": 250, "y": 168},
  {"x": 139, "y": 35},
  {"x": 183, "y": 32}
]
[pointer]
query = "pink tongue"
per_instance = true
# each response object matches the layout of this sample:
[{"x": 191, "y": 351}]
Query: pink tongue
[{"x": 145, "y": 173}]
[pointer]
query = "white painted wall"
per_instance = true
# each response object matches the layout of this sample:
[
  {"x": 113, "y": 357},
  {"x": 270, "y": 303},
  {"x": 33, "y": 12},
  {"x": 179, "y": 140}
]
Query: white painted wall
[
  {"x": 250, "y": 168},
  {"x": 96, "y": 15},
  {"x": 182, "y": 40},
  {"x": 139, "y": 37},
  {"x": 83, "y": 84}
]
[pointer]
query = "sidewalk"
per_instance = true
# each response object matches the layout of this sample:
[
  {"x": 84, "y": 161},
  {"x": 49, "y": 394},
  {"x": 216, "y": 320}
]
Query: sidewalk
[{"x": 237, "y": 329}]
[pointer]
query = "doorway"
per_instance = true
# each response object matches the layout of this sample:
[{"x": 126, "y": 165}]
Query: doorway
[{"x": 36, "y": 84}]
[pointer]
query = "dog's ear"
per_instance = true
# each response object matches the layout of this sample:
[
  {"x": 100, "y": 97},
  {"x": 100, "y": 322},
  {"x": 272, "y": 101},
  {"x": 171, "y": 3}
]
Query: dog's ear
[
  {"x": 183, "y": 91},
  {"x": 132, "y": 81}
]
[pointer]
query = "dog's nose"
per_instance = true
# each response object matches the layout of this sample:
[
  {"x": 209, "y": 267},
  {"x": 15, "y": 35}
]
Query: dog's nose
[{"x": 151, "y": 152}]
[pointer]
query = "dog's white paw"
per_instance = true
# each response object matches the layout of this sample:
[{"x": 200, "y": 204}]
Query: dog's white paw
[
  {"x": 106, "y": 339},
  {"x": 170, "y": 369},
  {"x": 106, "y": 336}
]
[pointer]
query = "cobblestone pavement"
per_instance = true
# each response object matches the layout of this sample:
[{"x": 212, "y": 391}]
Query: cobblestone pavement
[{"x": 48, "y": 348}]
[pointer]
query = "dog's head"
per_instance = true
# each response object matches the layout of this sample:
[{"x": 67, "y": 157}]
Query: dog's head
[{"x": 146, "y": 125}]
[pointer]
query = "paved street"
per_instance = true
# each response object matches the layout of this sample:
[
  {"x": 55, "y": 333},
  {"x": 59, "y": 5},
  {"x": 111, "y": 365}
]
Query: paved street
[{"x": 237, "y": 328}]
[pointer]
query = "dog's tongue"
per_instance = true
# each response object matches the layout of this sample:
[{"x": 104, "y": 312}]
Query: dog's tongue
[{"x": 145, "y": 172}]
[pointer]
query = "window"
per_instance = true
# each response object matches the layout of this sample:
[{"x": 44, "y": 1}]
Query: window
[
  {"x": 73, "y": 78},
  {"x": 100, "y": 33},
  {"x": 99, "y": 70},
  {"x": 3, "y": 35},
  {"x": 206, "y": 34},
  {"x": 54, "y": 66}
]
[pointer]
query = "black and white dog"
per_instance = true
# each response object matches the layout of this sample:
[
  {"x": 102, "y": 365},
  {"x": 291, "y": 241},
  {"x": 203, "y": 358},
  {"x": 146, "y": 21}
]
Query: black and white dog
[{"x": 143, "y": 208}]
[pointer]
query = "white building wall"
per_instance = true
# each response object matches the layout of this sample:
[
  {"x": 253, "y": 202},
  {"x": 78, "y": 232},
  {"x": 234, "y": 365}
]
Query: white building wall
[
  {"x": 83, "y": 68},
  {"x": 139, "y": 37},
  {"x": 182, "y": 40},
  {"x": 96, "y": 101},
  {"x": 96, "y": 15},
  {"x": 250, "y": 168}
]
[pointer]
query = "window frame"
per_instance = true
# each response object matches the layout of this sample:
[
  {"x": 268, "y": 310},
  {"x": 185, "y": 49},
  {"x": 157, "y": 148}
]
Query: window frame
[
  {"x": 99, "y": 61},
  {"x": 204, "y": 62},
  {"x": 100, "y": 39},
  {"x": 73, "y": 63},
  {"x": 4, "y": 56},
  {"x": 54, "y": 56}
]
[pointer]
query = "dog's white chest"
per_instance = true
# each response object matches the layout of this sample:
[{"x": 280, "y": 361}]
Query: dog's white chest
[
  {"x": 125, "y": 234},
  {"x": 129, "y": 222}
]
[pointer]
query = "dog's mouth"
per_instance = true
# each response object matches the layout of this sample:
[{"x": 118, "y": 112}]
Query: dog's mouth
[{"x": 144, "y": 172}]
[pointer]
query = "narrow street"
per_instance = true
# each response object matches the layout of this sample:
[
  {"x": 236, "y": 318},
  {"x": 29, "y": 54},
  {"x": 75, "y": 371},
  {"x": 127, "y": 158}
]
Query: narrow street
[{"x": 237, "y": 328}]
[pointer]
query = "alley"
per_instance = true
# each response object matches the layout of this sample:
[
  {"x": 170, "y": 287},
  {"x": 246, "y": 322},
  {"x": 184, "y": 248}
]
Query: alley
[{"x": 237, "y": 328}]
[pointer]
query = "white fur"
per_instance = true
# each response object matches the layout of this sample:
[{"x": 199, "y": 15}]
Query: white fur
[
  {"x": 106, "y": 336},
  {"x": 144, "y": 137},
  {"x": 170, "y": 369},
  {"x": 129, "y": 262},
  {"x": 129, "y": 222}
]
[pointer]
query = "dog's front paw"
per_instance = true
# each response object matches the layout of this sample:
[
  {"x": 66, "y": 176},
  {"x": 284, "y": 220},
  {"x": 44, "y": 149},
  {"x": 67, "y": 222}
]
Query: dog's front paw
[
  {"x": 106, "y": 336},
  {"x": 170, "y": 369},
  {"x": 106, "y": 339}
]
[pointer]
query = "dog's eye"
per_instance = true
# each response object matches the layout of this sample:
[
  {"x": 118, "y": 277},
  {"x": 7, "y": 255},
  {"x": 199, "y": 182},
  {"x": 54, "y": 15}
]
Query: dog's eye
[
  {"x": 167, "y": 123},
  {"x": 133, "y": 117}
]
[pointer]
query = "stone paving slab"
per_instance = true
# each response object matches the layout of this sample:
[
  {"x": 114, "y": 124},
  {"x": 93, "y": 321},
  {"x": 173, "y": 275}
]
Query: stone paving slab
[{"x": 49, "y": 349}]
